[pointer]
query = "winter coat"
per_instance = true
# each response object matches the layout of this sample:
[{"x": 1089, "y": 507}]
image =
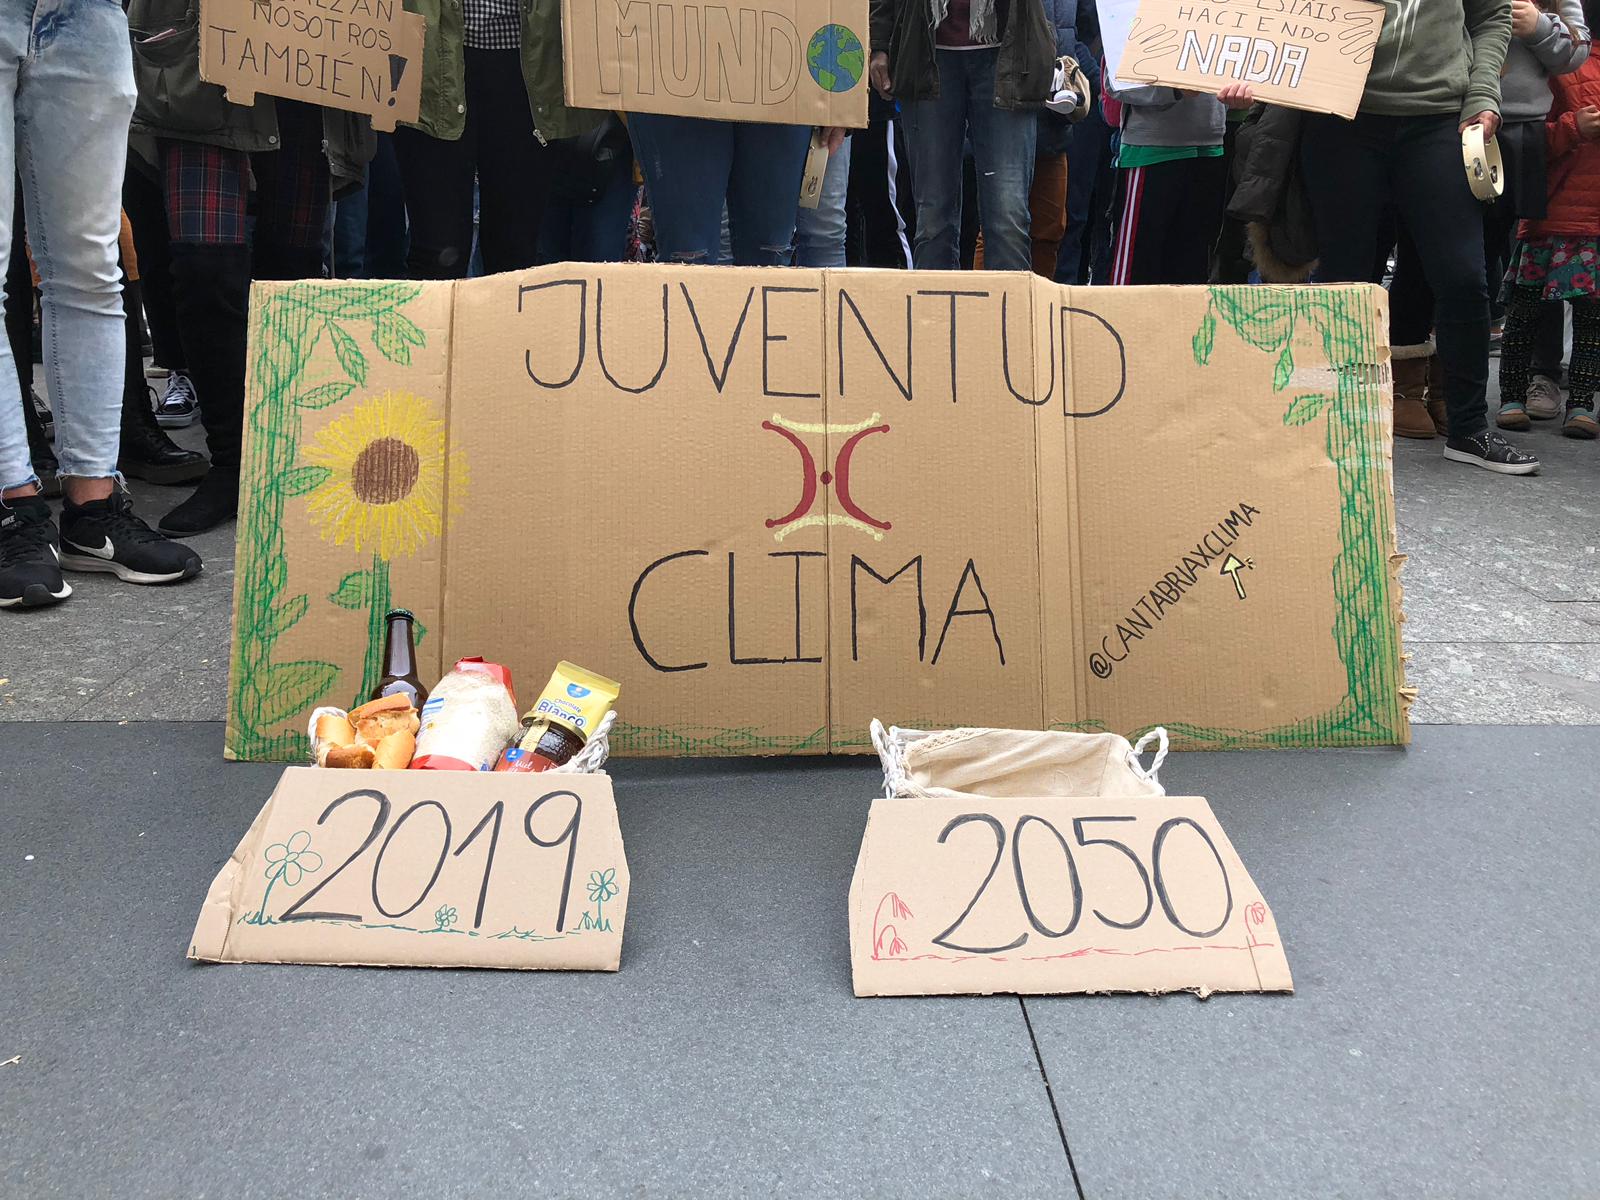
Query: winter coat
[
  {"x": 444, "y": 89},
  {"x": 1573, "y": 164},
  {"x": 175, "y": 103},
  {"x": 1270, "y": 197},
  {"x": 904, "y": 30}
]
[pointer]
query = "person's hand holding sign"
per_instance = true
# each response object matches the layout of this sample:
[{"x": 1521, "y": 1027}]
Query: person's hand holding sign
[
  {"x": 833, "y": 137},
  {"x": 1524, "y": 18},
  {"x": 1237, "y": 95},
  {"x": 878, "y": 72}
]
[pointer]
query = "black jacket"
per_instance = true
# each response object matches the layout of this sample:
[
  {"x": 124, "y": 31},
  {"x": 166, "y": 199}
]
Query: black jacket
[
  {"x": 1269, "y": 195},
  {"x": 904, "y": 30}
]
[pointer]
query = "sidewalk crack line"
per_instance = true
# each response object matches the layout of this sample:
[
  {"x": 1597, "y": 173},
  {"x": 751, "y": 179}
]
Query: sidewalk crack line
[{"x": 1050, "y": 1095}]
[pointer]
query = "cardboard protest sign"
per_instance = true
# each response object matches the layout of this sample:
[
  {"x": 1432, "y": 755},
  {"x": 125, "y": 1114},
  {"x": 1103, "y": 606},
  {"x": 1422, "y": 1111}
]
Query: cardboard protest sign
[
  {"x": 361, "y": 55},
  {"x": 793, "y": 62},
  {"x": 424, "y": 869},
  {"x": 1089, "y": 895},
  {"x": 1307, "y": 54},
  {"x": 776, "y": 504}
]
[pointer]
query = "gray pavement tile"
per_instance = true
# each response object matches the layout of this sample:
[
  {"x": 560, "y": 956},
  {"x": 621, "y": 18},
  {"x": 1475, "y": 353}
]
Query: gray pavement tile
[
  {"x": 1441, "y": 1040},
  {"x": 1583, "y": 610},
  {"x": 728, "y": 1057},
  {"x": 1541, "y": 534},
  {"x": 1448, "y": 598},
  {"x": 1466, "y": 683}
]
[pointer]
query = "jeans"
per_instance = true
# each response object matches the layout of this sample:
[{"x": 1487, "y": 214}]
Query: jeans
[
  {"x": 819, "y": 231},
  {"x": 1353, "y": 170},
  {"x": 1085, "y": 249},
  {"x": 500, "y": 152},
  {"x": 66, "y": 88},
  {"x": 692, "y": 165},
  {"x": 1002, "y": 147},
  {"x": 349, "y": 259}
]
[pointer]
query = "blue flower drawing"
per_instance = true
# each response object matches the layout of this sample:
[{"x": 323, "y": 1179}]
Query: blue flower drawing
[
  {"x": 290, "y": 861},
  {"x": 602, "y": 887}
]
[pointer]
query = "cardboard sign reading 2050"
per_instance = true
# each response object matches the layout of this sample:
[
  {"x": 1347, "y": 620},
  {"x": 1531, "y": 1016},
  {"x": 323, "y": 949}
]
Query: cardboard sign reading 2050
[
  {"x": 794, "y": 62},
  {"x": 424, "y": 868},
  {"x": 363, "y": 56},
  {"x": 1057, "y": 895}
]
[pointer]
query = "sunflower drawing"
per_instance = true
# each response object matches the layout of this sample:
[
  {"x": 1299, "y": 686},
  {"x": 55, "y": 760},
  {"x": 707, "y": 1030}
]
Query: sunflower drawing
[
  {"x": 387, "y": 461},
  {"x": 383, "y": 467}
]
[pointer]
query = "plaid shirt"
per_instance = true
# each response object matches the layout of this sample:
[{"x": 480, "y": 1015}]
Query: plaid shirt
[{"x": 493, "y": 24}]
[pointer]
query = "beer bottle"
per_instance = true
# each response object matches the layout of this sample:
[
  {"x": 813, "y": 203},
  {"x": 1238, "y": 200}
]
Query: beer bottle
[{"x": 400, "y": 661}]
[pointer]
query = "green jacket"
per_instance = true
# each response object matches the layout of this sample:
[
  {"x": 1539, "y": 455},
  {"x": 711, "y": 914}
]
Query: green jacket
[
  {"x": 1438, "y": 56},
  {"x": 444, "y": 89},
  {"x": 175, "y": 103}
]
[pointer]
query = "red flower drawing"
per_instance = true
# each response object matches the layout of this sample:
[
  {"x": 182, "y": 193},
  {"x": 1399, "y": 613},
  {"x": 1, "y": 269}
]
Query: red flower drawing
[{"x": 886, "y": 941}]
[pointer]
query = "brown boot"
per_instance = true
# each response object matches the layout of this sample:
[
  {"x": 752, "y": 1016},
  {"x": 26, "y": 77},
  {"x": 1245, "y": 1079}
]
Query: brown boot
[
  {"x": 1436, "y": 406},
  {"x": 1411, "y": 419}
]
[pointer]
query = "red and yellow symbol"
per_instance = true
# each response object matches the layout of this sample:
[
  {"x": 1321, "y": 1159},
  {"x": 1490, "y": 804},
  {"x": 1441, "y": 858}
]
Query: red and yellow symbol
[{"x": 838, "y": 477}]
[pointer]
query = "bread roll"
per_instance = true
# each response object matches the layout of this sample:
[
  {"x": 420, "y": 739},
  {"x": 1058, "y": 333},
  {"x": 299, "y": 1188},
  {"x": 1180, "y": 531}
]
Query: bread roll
[
  {"x": 335, "y": 729},
  {"x": 380, "y": 718},
  {"x": 395, "y": 751},
  {"x": 357, "y": 756}
]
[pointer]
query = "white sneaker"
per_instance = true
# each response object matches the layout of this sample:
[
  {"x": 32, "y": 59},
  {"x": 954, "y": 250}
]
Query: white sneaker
[
  {"x": 180, "y": 405},
  {"x": 1545, "y": 400}
]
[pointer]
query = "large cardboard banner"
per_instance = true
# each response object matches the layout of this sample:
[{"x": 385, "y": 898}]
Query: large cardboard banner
[
  {"x": 778, "y": 503},
  {"x": 1056, "y": 895},
  {"x": 364, "y": 56},
  {"x": 1307, "y": 54},
  {"x": 424, "y": 869},
  {"x": 793, "y": 62}
]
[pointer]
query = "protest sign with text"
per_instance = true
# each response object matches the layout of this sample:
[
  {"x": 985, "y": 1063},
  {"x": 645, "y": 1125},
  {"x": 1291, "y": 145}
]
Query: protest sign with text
[
  {"x": 424, "y": 868},
  {"x": 791, "y": 62},
  {"x": 363, "y": 56},
  {"x": 1056, "y": 895},
  {"x": 1308, "y": 54}
]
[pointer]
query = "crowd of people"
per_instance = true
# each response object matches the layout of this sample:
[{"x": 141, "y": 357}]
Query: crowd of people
[{"x": 145, "y": 204}]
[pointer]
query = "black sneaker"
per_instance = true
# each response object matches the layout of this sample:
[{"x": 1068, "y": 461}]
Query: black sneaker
[
  {"x": 104, "y": 535},
  {"x": 1491, "y": 452},
  {"x": 30, "y": 564},
  {"x": 215, "y": 502}
]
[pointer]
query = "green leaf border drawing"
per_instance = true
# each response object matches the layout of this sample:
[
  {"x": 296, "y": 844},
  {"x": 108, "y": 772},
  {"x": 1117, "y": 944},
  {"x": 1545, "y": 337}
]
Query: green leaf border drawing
[
  {"x": 1347, "y": 321},
  {"x": 287, "y": 323}
]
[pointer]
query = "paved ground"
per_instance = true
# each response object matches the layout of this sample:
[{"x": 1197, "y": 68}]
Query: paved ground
[{"x": 1441, "y": 1043}]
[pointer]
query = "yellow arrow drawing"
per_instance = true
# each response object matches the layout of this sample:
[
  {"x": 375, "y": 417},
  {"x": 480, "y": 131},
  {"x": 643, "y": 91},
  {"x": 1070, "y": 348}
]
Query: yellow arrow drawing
[{"x": 1232, "y": 566}]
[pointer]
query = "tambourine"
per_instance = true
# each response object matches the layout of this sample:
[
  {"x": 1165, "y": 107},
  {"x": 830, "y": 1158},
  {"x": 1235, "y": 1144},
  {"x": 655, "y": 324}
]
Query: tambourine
[{"x": 1486, "y": 169}]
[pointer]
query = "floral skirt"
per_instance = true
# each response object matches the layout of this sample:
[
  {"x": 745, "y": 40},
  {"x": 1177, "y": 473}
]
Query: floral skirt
[{"x": 1562, "y": 268}]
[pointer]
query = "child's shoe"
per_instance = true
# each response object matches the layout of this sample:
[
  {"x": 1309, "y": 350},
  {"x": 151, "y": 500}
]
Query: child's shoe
[
  {"x": 1513, "y": 414},
  {"x": 1580, "y": 422}
]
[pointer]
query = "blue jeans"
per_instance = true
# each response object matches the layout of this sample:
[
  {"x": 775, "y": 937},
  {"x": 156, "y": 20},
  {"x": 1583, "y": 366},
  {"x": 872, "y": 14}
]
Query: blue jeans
[
  {"x": 1002, "y": 149},
  {"x": 819, "y": 231},
  {"x": 595, "y": 232},
  {"x": 66, "y": 88},
  {"x": 691, "y": 165}
]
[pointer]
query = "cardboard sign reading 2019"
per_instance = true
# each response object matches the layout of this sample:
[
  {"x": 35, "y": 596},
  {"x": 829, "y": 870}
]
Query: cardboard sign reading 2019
[{"x": 424, "y": 868}]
